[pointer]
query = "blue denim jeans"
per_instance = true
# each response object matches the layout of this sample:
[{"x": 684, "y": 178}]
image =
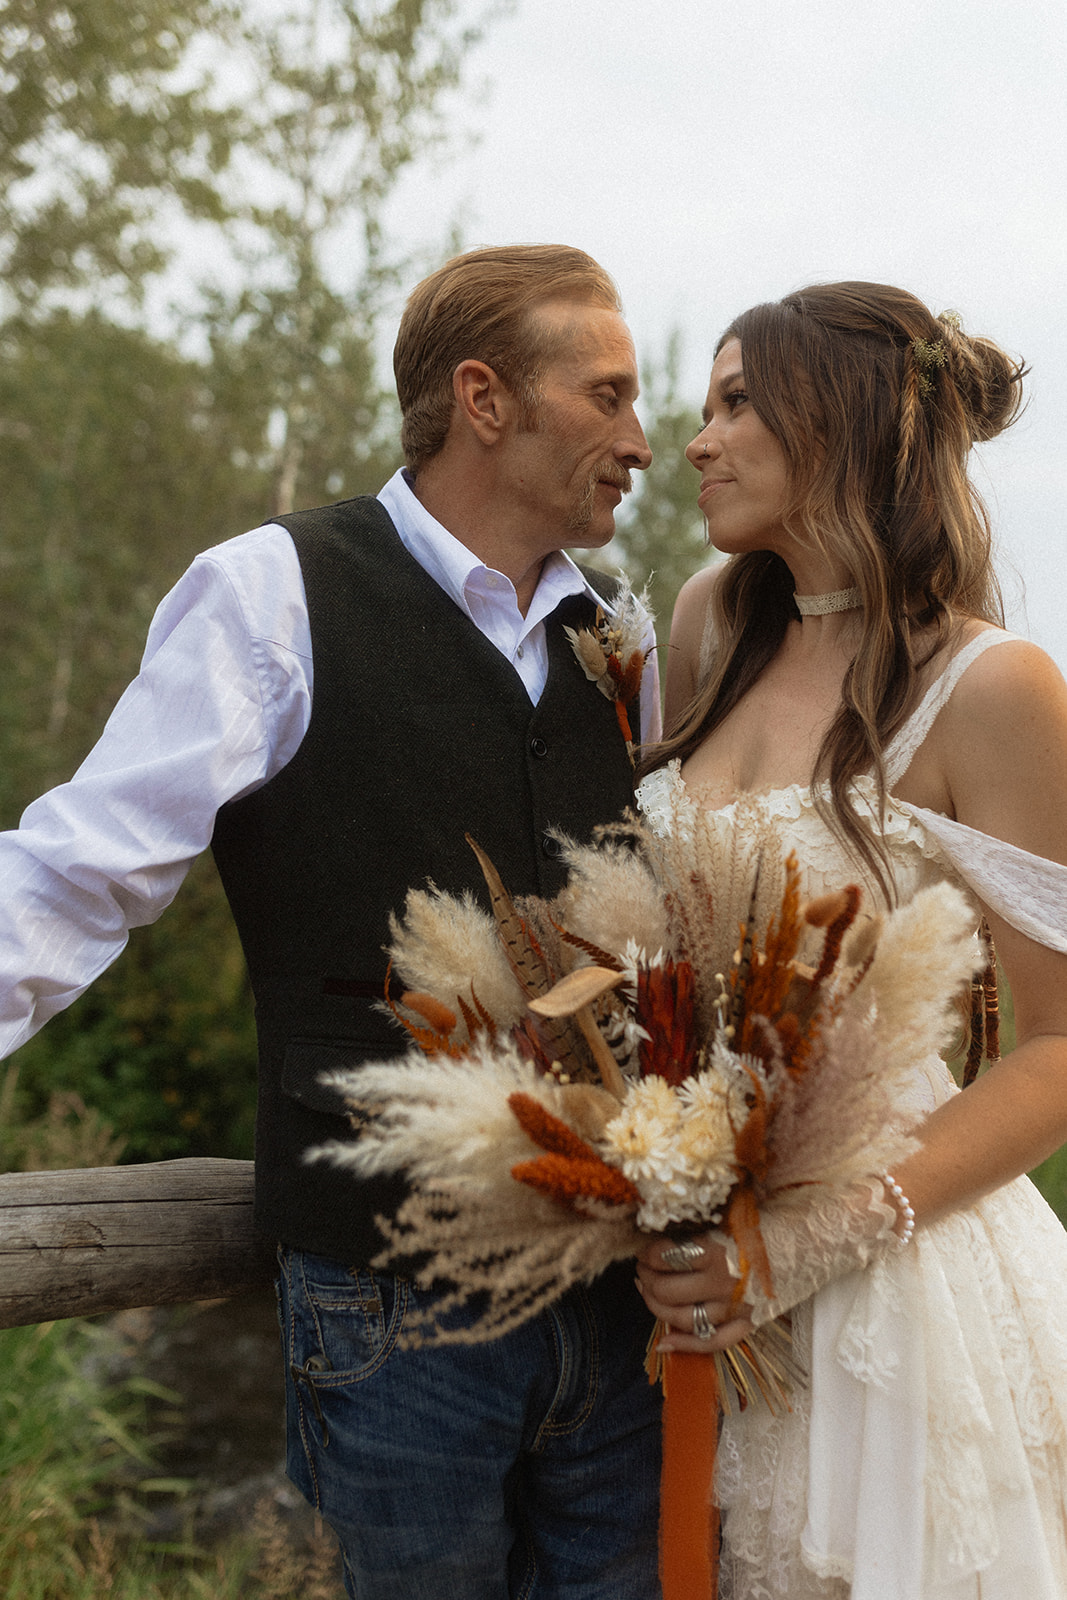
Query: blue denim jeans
[{"x": 522, "y": 1469}]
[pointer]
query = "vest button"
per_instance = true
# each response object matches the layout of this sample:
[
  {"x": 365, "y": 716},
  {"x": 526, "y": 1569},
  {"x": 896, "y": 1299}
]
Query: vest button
[
  {"x": 551, "y": 846},
  {"x": 538, "y": 747}
]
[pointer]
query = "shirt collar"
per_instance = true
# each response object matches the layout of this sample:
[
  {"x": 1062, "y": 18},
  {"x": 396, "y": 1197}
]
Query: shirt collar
[{"x": 457, "y": 570}]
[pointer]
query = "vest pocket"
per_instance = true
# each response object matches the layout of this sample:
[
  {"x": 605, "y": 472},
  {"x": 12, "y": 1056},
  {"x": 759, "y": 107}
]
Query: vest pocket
[{"x": 308, "y": 1061}]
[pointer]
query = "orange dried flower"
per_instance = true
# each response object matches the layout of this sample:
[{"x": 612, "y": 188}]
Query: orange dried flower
[
  {"x": 742, "y": 1223},
  {"x": 546, "y": 1131},
  {"x": 476, "y": 1016},
  {"x": 568, "y": 1180},
  {"x": 767, "y": 978},
  {"x": 665, "y": 1001},
  {"x": 571, "y": 1170},
  {"x": 440, "y": 1017},
  {"x": 432, "y": 1041},
  {"x": 836, "y": 931}
]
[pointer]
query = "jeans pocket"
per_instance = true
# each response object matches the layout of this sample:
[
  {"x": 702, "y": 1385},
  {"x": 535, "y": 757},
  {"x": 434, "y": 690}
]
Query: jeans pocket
[
  {"x": 341, "y": 1326},
  {"x": 344, "y": 1321}
]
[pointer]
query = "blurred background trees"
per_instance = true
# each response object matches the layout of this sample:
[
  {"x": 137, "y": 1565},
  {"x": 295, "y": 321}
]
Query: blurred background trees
[
  {"x": 661, "y": 533},
  {"x": 146, "y": 414}
]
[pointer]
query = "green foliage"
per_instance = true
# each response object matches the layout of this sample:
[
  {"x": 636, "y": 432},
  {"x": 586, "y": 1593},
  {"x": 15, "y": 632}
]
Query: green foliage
[
  {"x": 117, "y": 471},
  {"x": 345, "y": 98},
  {"x": 113, "y": 475},
  {"x": 103, "y": 115},
  {"x": 113, "y": 130},
  {"x": 74, "y": 1487},
  {"x": 662, "y": 535},
  {"x": 164, "y": 1042},
  {"x": 291, "y": 369},
  {"x": 68, "y": 1134},
  {"x": 67, "y": 1446}
]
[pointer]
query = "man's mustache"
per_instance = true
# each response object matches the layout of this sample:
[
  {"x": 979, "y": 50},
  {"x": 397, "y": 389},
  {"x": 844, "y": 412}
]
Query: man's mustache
[{"x": 619, "y": 477}]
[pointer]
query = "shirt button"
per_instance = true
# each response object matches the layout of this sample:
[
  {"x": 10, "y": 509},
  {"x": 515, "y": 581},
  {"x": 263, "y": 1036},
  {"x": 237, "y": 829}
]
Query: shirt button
[
  {"x": 538, "y": 747},
  {"x": 519, "y": 652}
]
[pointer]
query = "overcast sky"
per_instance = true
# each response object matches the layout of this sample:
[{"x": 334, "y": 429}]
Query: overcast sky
[{"x": 713, "y": 156}]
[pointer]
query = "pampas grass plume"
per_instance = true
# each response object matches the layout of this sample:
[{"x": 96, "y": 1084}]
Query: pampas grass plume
[
  {"x": 444, "y": 945},
  {"x": 928, "y": 951},
  {"x": 612, "y": 897}
]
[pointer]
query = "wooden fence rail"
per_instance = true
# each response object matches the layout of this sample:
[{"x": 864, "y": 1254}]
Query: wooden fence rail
[{"x": 108, "y": 1238}]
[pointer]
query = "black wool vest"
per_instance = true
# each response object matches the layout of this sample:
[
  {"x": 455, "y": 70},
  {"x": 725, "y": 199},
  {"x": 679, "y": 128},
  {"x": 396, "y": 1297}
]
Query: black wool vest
[{"x": 420, "y": 732}]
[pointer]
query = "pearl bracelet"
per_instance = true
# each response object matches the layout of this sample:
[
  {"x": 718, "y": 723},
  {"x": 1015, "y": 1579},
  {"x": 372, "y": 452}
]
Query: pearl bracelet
[{"x": 904, "y": 1207}]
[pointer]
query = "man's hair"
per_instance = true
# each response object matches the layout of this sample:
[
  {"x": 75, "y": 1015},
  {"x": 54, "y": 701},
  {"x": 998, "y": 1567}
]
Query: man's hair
[{"x": 479, "y": 307}]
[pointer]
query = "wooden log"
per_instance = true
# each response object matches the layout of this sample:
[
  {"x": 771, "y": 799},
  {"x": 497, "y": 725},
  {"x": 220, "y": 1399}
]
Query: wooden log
[{"x": 108, "y": 1238}]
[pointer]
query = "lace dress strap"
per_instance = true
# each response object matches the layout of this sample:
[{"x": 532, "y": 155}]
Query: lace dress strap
[
  {"x": 1028, "y": 891},
  {"x": 901, "y": 749}
]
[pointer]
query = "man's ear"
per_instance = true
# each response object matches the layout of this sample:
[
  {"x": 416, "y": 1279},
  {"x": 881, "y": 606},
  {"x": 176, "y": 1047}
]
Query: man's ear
[{"x": 485, "y": 405}]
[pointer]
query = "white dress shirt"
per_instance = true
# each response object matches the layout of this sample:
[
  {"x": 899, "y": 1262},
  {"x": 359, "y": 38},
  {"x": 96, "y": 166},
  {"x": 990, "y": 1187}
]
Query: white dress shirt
[{"x": 221, "y": 703}]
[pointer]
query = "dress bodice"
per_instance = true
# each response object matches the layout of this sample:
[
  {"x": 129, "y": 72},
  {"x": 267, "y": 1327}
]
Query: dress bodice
[
  {"x": 915, "y": 858},
  {"x": 923, "y": 846}
]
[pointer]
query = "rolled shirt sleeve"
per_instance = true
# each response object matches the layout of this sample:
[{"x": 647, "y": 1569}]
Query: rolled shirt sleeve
[{"x": 220, "y": 704}]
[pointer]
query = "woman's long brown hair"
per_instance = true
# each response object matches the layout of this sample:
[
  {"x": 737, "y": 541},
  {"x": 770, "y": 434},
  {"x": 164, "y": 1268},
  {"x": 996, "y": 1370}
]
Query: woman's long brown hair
[{"x": 875, "y": 403}]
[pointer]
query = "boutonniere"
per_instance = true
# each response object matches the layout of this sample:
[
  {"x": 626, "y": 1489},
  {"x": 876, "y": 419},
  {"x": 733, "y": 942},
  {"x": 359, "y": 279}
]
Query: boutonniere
[{"x": 612, "y": 653}]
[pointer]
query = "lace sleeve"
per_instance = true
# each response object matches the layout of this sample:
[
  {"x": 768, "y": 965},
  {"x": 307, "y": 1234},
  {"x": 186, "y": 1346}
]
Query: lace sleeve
[
  {"x": 1027, "y": 891},
  {"x": 661, "y": 799},
  {"x": 814, "y": 1239}
]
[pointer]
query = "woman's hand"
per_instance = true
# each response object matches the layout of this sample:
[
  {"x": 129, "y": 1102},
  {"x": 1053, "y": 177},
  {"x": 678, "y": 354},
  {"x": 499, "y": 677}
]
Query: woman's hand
[
  {"x": 688, "y": 1286},
  {"x": 810, "y": 1239}
]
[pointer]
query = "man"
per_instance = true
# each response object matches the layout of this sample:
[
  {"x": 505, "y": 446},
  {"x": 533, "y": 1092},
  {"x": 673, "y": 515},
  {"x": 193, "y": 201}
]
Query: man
[{"x": 333, "y": 701}]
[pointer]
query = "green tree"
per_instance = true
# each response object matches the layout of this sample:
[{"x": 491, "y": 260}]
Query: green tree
[
  {"x": 661, "y": 539},
  {"x": 106, "y": 122},
  {"x": 346, "y": 96}
]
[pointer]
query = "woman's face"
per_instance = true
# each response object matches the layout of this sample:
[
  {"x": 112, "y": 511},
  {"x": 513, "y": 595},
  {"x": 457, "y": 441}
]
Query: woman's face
[{"x": 744, "y": 478}]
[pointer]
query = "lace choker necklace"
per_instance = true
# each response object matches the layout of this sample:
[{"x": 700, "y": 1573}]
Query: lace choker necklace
[{"x": 820, "y": 605}]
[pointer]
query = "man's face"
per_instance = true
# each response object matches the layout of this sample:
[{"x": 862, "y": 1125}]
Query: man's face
[{"x": 570, "y": 469}]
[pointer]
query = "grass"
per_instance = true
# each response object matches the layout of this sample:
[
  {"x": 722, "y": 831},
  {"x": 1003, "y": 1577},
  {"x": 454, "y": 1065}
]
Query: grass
[{"x": 76, "y": 1485}]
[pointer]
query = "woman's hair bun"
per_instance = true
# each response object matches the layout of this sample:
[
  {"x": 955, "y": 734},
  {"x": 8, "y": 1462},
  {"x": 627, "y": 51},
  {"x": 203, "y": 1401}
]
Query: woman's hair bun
[{"x": 988, "y": 380}]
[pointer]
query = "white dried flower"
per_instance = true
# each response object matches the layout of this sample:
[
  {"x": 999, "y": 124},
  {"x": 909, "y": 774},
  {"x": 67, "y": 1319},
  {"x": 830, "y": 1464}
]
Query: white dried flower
[{"x": 676, "y": 1146}]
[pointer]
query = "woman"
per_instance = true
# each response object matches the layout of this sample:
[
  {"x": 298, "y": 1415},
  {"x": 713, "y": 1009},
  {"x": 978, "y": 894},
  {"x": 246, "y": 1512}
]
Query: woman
[{"x": 848, "y": 663}]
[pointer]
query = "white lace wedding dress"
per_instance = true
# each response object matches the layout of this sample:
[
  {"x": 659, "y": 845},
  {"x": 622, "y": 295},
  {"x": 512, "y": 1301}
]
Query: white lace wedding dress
[{"x": 928, "y": 1458}]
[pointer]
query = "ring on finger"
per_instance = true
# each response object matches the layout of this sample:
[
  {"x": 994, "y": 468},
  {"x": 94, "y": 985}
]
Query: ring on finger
[
  {"x": 680, "y": 1257},
  {"x": 702, "y": 1324}
]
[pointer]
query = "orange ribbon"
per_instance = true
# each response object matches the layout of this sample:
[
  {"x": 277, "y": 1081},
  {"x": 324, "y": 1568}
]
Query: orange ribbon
[{"x": 688, "y": 1517}]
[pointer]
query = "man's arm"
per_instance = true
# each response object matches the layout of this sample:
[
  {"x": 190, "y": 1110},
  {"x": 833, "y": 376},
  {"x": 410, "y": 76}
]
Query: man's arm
[{"x": 220, "y": 704}]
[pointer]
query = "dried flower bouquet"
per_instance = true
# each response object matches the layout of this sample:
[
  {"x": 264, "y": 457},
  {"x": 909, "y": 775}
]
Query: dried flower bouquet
[{"x": 678, "y": 1041}]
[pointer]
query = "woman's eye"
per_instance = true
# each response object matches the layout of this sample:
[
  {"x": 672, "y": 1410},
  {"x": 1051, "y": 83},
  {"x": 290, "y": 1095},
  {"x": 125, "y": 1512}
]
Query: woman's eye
[{"x": 735, "y": 398}]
